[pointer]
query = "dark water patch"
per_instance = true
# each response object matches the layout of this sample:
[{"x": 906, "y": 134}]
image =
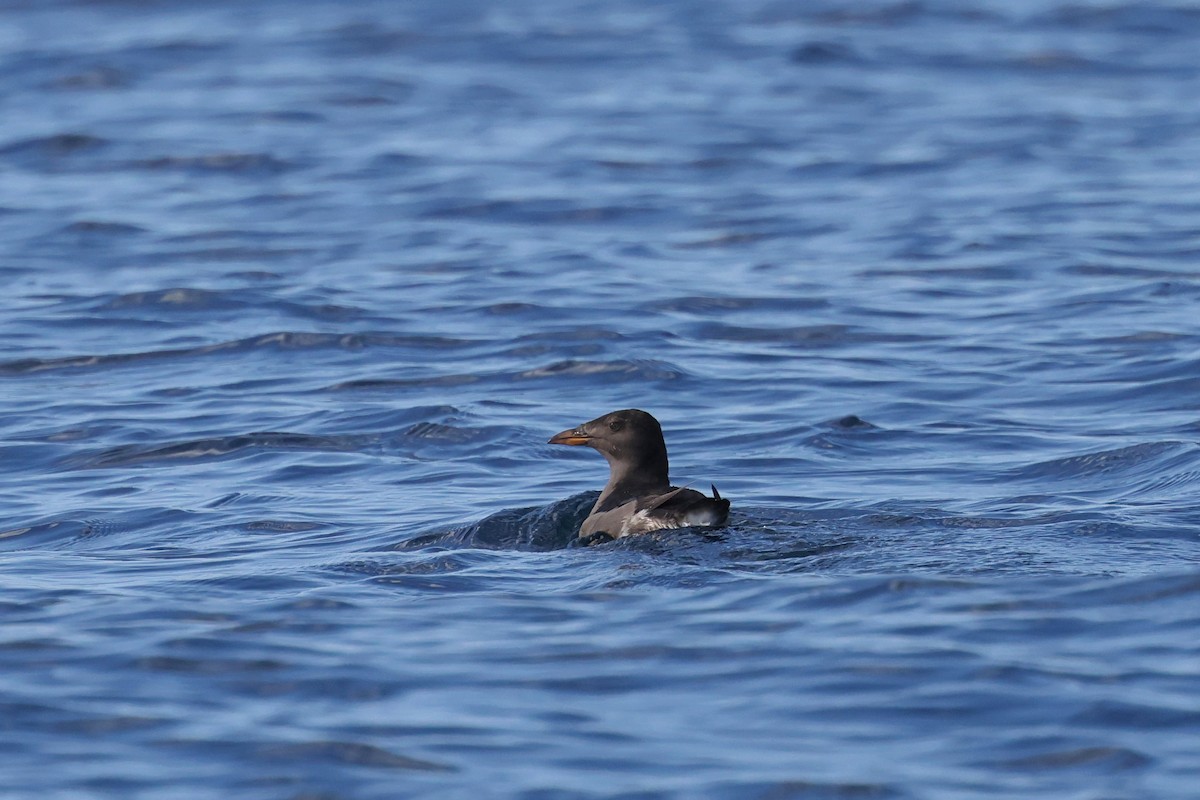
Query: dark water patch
[
  {"x": 52, "y": 647},
  {"x": 396, "y": 161},
  {"x": 1146, "y": 338},
  {"x": 1050, "y": 60},
  {"x": 1121, "y": 462},
  {"x": 100, "y": 229},
  {"x": 281, "y": 116},
  {"x": 52, "y": 152},
  {"x": 212, "y": 448},
  {"x": 287, "y": 340},
  {"x": 219, "y": 163},
  {"x": 254, "y": 276},
  {"x": 515, "y": 309},
  {"x": 729, "y": 239},
  {"x": 347, "y": 753},
  {"x": 546, "y": 211},
  {"x": 1155, "y": 19},
  {"x": 368, "y": 93},
  {"x": 391, "y": 384},
  {"x": 436, "y": 562},
  {"x": 958, "y": 273},
  {"x": 851, "y": 422},
  {"x": 772, "y": 547},
  {"x": 1141, "y": 590},
  {"x": 1106, "y": 759},
  {"x": 641, "y": 370},
  {"x": 629, "y": 165},
  {"x": 536, "y": 528},
  {"x": 1127, "y": 271},
  {"x": 208, "y": 665},
  {"x": 574, "y": 341},
  {"x": 96, "y": 725},
  {"x": 182, "y": 297},
  {"x": 708, "y": 305},
  {"x": 99, "y": 78},
  {"x": 824, "y": 52},
  {"x": 451, "y": 434},
  {"x": 281, "y": 526},
  {"x": 805, "y": 336},
  {"x": 1053, "y": 59},
  {"x": 809, "y": 335},
  {"x": 223, "y": 234},
  {"x": 193, "y": 300},
  {"x": 1145, "y": 716},
  {"x": 43, "y": 718},
  {"x": 172, "y": 51}
]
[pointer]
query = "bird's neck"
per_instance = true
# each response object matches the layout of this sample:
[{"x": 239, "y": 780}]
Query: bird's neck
[{"x": 627, "y": 480}]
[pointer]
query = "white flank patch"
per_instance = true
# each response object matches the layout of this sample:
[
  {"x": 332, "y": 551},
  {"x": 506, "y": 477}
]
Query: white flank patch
[{"x": 643, "y": 521}]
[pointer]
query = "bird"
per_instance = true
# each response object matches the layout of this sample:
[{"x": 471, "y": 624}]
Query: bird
[{"x": 638, "y": 497}]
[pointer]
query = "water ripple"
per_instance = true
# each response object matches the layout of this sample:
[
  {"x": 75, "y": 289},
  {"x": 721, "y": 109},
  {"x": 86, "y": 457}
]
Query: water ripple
[{"x": 288, "y": 340}]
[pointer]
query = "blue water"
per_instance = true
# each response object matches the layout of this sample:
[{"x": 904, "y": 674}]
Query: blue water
[{"x": 294, "y": 294}]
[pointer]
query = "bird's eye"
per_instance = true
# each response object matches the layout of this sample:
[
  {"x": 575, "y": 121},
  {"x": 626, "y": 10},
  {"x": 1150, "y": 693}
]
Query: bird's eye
[{"x": 616, "y": 425}]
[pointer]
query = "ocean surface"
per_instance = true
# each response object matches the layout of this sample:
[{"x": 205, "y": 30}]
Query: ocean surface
[{"x": 295, "y": 293}]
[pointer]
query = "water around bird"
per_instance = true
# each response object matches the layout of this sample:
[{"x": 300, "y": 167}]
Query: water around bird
[{"x": 296, "y": 293}]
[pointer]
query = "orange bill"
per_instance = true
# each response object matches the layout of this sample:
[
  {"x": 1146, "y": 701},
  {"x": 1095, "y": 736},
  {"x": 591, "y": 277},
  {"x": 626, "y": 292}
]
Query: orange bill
[{"x": 574, "y": 436}]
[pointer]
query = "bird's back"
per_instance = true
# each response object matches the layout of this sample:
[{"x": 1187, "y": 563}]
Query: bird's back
[{"x": 678, "y": 508}]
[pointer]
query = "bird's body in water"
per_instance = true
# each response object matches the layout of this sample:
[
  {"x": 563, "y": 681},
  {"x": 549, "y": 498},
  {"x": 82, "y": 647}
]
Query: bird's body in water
[{"x": 638, "y": 496}]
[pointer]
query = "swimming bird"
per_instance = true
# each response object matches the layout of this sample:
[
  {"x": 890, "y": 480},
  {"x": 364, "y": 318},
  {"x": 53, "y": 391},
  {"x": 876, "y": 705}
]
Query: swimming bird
[{"x": 638, "y": 496}]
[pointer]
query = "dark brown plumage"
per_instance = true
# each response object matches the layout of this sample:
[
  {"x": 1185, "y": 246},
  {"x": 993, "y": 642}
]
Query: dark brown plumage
[{"x": 638, "y": 496}]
